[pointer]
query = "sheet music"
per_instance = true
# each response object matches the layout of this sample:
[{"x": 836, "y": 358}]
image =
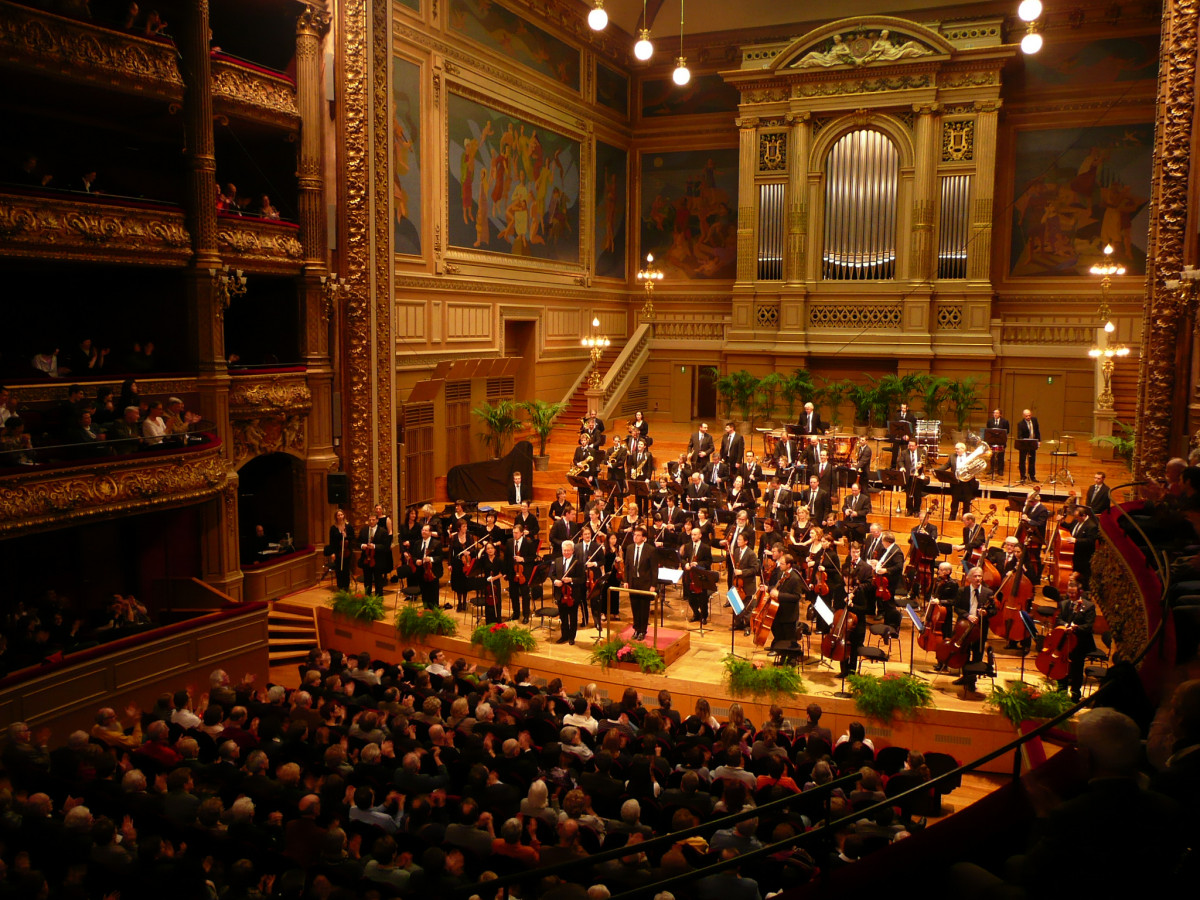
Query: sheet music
[
  {"x": 916, "y": 619},
  {"x": 670, "y": 575},
  {"x": 823, "y": 611},
  {"x": 735, "y": 601}
]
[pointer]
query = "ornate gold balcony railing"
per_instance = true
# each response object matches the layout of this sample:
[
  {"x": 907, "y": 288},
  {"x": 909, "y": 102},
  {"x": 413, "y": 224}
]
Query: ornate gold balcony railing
[
  {"x": 82, "y": 227},
  {"x": 248, "y": 91},
  {"x": 259, "y": 245},
  {"x": 268, "y": 413},
  {"x": 40, "y": 498},
  {"x": 67, "y": 49}
]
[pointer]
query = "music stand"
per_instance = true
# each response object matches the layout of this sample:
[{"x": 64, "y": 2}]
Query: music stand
[
  {"x": 709, "y": 579},
  {"x": 892, "y": 479},
  {"x": 918, "y": 628},
  {"x": 738, "y": 607}
]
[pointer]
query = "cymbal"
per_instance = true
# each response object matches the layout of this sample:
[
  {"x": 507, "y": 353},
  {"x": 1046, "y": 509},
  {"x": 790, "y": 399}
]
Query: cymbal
[{"x": 1050, "y": 443}]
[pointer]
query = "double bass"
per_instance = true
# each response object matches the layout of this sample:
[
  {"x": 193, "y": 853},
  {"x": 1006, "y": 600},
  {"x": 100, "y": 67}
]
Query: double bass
[
  {"x": 1060, "y": 555},
  {"x": 835, "y": 643},
  {"x": 1012, "y": 599},
  {"x": 920, "y": 565}
]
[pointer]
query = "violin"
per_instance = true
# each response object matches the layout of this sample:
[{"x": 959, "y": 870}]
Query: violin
[
  {"x": 568, "y": 595},
  {"x": 519, "y": 575},
  {"x": 883, "y": 589},
  {"x": 429, "y": 574},
  {"x": 822, "y": 585},
  {"x": 468, "y": 561},
  {"x": 368, "y": 557}
]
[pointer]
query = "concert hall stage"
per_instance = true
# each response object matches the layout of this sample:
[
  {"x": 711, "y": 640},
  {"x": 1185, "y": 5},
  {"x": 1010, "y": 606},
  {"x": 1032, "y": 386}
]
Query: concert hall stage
[{"x": 962, "y": 728}]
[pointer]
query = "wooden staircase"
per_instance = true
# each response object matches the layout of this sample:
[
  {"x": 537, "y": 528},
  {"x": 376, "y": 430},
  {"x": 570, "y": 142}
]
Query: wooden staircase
[
  {"x": 577, "y": 405},
  {"x": 291, "y": 632}
]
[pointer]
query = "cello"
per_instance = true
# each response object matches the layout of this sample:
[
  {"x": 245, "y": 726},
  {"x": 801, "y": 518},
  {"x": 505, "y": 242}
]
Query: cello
[
  {"x": 834, "y": 645},
  {"x": 765, "y": 613},
  {"x": 1054, "y": 659},
  {"x": 931, "y": 622},
  {"x": 920, "y": 565},
  {"x": 1012, "y": 599},
  {"x": 971, "y": 560},
  {"x": 954, "y": 652}
]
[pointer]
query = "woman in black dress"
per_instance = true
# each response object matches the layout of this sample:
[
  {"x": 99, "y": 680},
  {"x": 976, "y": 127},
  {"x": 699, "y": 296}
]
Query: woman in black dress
[
  {"x": 407, "y": 537},
  {"x": 460, "y": 546},
  {"x": 612, "y": 552},
  {"x": 340, "y": 549},
  {"x": 491, "y": 568}
]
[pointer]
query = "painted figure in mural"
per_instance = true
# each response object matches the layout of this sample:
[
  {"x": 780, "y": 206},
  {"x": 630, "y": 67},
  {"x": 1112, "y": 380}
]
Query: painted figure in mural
[
  {"x": 610, "y": 211},
  {"x": 467, "y": 178}
]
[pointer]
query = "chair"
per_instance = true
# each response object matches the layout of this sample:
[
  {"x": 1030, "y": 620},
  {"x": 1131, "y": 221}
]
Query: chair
[
  {"x": 1095, "y": 668},
  {"x": 867, "y": 653},
  {"x": 885, "y": 635},
  {"x": 544, "y": 612}
]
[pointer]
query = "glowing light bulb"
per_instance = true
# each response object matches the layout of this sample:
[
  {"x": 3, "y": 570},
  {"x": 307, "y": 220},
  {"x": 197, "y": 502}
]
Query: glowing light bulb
[
  {"x": 681, "y": 75},
  {"x": 1029, "y": 10},
  {"x": 598, "y": 18},
  {"x": 1031, "y": 43},
  {"x": 643, "y": 49},
  {"x": 1109, "y": 327}
]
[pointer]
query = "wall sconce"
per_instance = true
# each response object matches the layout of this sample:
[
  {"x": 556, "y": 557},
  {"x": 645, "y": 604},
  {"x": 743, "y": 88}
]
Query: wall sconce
[
  {"x": 229, "y": 283},
  {"x": 1029, "y": 12},
  {"x": 333, "y": 287},
  {"x": 648, "y": 276},
  {"x": 596, "y": 344}
]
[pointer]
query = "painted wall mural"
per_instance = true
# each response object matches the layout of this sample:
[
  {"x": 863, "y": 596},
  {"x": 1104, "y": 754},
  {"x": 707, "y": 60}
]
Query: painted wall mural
[
  {"x": 612, "y": 90},
  {"x": 505, "y": 32},
  {"x": 1109, "y": 61},
  {"x": 514, "y": 186},
  {"x": 689, "y": 212},
  {"x": 406, "y": 155},
  {"x": 1078, "y": 189},
  {"x": 703, "y": 94},
  {"x": 611, "y": 202}
]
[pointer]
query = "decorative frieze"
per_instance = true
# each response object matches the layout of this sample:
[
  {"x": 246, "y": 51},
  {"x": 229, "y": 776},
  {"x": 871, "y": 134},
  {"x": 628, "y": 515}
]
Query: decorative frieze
[
  {"x": 858, "y": 316},
  {"x": 252, "y": 93}
]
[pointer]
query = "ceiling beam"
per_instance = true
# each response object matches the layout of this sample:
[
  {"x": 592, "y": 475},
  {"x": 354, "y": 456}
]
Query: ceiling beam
[{"x": 653, "y": 8}]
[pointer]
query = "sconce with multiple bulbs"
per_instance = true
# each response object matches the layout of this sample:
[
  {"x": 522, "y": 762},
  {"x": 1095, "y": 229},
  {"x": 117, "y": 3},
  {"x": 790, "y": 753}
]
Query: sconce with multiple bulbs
[
  {"x": 333, "y": 287},
  {"x": 229, "y": 283},
  {"x": 1106, "y": 270},
  {"x": 596, "y": 344},
  {"x": 1107, "y": 352},
  {"x": 1029, "y": 12},
  {"x": 648, "y": 276}
]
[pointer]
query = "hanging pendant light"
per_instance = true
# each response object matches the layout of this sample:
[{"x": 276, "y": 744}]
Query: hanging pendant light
[
  {"x": 643, "y": 49},
  {"x": 597, "y": 18},
  {"x": 681, "y": 75}
]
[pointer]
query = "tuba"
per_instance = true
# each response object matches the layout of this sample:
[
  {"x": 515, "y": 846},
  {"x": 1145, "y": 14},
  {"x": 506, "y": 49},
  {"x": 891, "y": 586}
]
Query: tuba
[
  {"x": 975, "y": 464},
  {"x": 580, "y": 467}
]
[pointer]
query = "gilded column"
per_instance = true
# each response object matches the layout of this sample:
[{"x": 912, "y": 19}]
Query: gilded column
[
  {"x": 1159, "y": 432},
  {"x": 924, "y": 192},
  {"x": 979, "y": 251},
  {"x": 747, "y": 159},
  {"x": 799, "y": 141}
]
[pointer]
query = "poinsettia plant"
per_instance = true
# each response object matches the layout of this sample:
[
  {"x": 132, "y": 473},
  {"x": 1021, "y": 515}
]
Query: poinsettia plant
[
  {"x": 620, "y": 651},
  {"x": 502, "y": 640}
]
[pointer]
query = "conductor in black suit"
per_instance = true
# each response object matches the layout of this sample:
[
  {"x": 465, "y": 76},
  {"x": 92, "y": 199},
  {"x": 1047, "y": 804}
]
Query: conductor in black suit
[
  {"x": 789, "y": 591},
  {"x": 429, "y": 550},
  {"x": 810, "y": 422},
  {"x": 375, "y": 537},
  {"x": 570, "y": 588},
  {"x": 858, "y": 507},
  {"x": 700, "y": 447},
  {"x": 1027, "y": 430},
  {"x": 639, "y": 576},
  {"x": 518, "y": 491},
  {"x": 998, "y": 421},
  {"x": 733, "y": 446},
  {"x": 1098, "y": 498}
]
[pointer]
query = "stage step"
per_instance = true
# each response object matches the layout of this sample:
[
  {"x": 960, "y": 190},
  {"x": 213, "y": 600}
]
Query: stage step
[{"x": 291, "y": 635}]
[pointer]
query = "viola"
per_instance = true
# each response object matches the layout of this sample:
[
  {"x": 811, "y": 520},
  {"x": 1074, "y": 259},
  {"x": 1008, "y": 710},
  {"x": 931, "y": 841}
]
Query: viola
[
  {"x": 822, "y": 585},
  {"x": 429, "y": 574},
  {"x": 568, "y": 595},
  {"x": 1054, "y": 659},
  {"x": 368, "y": 557},
  {"x": 883, "y": 590},
  {"x": 519, "y": 575}
]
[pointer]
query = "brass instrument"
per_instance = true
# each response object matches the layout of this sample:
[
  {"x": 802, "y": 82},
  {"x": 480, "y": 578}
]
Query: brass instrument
[
  {"x": 614, "y": 455},
  {"x": 975, "y": 464},
  {"x": 636, "y": 472},
  {"x": 580, "y": 467}
]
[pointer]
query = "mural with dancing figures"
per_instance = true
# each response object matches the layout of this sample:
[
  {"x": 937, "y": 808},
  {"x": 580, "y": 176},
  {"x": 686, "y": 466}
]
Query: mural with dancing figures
[
  {"x": 514, "y": 186},
  {"x": 502, "y": 30},
  {"x": 609, "y": 228},
  {"x": 689, "y": 212},
  {"x": 1076, "y": 190},
  {"x": 406, "y": 155},
  {"x": 612, "y": 90}
]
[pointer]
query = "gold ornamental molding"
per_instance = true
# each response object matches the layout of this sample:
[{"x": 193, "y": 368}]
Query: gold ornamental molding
[
  {"x": 1047, "y": 334},
  {"x": 258, "y": 245},
  {"x": 267, "y": 434},
  {"x": 43, "y": 500},
  {"x": 42, "y": 391},
  {"x": 251, "y": 396},
  {"x": 76, "y": 51},
  {"x": 252, "y": 94},
  {"x": 69, "y": 228}
]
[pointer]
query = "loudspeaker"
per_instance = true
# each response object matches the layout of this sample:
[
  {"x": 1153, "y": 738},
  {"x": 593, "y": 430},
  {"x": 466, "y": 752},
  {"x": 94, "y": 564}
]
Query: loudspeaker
[{"x": 337, "y": 488}]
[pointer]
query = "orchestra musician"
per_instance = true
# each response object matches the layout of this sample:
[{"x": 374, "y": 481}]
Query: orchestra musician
[
  {"x": 1078, "y": 614},
  {"x": 491, "y": 568},
  {"x": 857, "y": 568},
  {"x": 1098, "y": 497},
  {"x": 975, "y": 603},
  {"x": 680, "y": 471},
  {"x": 429, "y": 553},
  {"x": 820, "y": 468},
  {"x": 596, "y": 521},
  {"x": 527, "y": 520},
  {"x": 716, "y": 474},
  {"x": 641, "y": 468},
  {"x": 457, "y": 517},
  {"x": 816, "y": 501},
  {"x": 560, "y": 503},
  {"x": 562, "y": 530},
  {"x": 695, "y": 552},
  {"x": 859, "y": 599},
  {"x": 673, "y": 518},
  {"x": 973, "y": 536},
  {"x": 585, "y": 460},
  {"x": 751, "y": 472},
  {"x": 461, "y": 543},
  {"x": 739, "y": 497},
  {"x": 1086, "y": 532},
  {"x": 872, "y": 547},
  {"x": 521, "y": 550},
  {"x": 1037, "y": 515},
  {"x": 789, "y": 591},
  {"x": 594, "y": 429},
  {"x": 697, "y": 492},
  {"x": 729, "y": 542},
  {"x": 617, "y": 462},
  {"x": 700, "y": 447},
  {"x": 1011, "y": 555},
  {"x": 914, "y": 554},
  {"x": 705, "y": 524},
  {"x": 778, "y": 501},
  {"x": 743, "y": 564},
  {"x": 857, "y": 508},
  {"x": 591, "y": 552},
  {"x": 770, "y": 538},
  {"x": 890, "y": 563},
  {"x": 822, "y": 556},
  {"x": 998, "y": 421},
  {"x": 789, "y": 456},
  {"x": 408, "y": 533},
  {"x": 612, "y": 549},
  {"x": 1027, "y": 430},
  {"x": 862, "y": 462},
  {"x": 639, "y": 424},
  {"x": 904, "y": 415},
  {"x": 340, "y": 549},
  {"x": 517, "y": 491},
  {"x": 733, "y": 446},
  {"x": 945, "y": 593},
  {"x": 491, "y": 531},
  {"x": 962, "y": 491},
  {"x": 378, "y": 538},
  {"x": 911, "y": 463},
  {"x": 568, "y": 570},
  {"x": 810, "y": 422},
  {"x": 640, "y": 575}
]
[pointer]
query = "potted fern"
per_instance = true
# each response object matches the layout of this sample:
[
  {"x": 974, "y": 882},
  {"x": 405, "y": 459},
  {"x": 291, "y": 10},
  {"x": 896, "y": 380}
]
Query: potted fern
[
  {"x": 541, "y": 421},
  {"x": 832, "y": 393},
  {"x": 500, "y": 422},
  {"x": 965, "y": 397},
  {"x": 884, "y": 698},
  {"x": 796, "y": 387},
  {"x": 738, "y": 390},
  {"x": 1122, "y": 444},
  {"x": 769, "y": 388},
  {"x": 933, "y": 392}
]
